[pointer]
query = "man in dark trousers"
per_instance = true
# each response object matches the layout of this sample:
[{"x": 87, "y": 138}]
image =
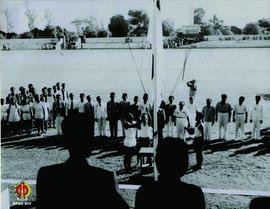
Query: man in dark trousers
[
  {"x": 90, "y": 115},
  {"x": 75, "y": 183},
  {"x": 123, "y": 111},
  {"x": 112, "y": 112},
  {"x": 208, "y": 112},
  {"x": 135, "y": 109},
  {"x": 72, "y": 106},
  {"x": 169, "y": 191}
]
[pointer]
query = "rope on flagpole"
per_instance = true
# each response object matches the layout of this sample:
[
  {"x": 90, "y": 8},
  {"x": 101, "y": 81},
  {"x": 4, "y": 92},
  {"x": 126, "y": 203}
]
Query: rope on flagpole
[
  {"x": 187, "y": 53},
  {"x": 136, "y": 67}
]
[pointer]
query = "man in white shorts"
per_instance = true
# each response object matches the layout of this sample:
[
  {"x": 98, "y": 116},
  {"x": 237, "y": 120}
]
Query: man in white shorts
[
  {"x": 240, "y": 116},
  {"x": 223, "y": 115},
  {"x": 256, "y": 117},
  {"x": 181, "y": 120}
]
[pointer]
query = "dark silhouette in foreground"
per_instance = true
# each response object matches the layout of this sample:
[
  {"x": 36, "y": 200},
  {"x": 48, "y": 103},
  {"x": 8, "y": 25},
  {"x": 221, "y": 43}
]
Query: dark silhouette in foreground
[
  {"x": 260, "y": 203},
  {"x": 75, "y": 183},
  {"x": 169, "y": 191}
]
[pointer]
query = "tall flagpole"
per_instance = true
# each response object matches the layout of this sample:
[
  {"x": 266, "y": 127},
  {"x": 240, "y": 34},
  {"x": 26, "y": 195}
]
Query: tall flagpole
[{"x": 156, "y": 74}]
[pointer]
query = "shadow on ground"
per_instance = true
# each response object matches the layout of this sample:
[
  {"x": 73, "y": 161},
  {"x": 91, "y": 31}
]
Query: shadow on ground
[
  {"x": 105, "y": 144},
  {"x": 260, "y": 147}
]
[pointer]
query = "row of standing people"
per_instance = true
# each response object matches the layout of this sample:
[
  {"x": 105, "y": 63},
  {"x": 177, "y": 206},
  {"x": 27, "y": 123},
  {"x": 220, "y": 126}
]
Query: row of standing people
[
  {"x": 222, "y": 114},
  {"x": 51, "y": 110}
]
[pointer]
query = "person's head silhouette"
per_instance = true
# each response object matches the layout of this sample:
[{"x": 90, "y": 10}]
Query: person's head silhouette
[
  {"x": 77, "y": 137},
  {"x": 172, "y": 158}
]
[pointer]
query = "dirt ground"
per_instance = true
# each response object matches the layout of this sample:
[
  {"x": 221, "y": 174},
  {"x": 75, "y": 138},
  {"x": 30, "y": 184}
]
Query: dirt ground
[{"x": 227, "y": 165}]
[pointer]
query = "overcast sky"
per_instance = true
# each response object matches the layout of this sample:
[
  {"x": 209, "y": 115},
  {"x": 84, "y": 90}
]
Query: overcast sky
[{"x": 233, "y": 12}]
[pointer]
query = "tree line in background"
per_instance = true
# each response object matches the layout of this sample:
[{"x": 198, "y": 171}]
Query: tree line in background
[
  {"x": 215, "y": 26},
  {"x": 135, "y": 25}
]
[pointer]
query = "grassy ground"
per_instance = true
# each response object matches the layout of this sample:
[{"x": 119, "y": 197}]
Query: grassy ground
[
  {"x": 234, "y": 44},
  {"x": 227, "y": 165}
]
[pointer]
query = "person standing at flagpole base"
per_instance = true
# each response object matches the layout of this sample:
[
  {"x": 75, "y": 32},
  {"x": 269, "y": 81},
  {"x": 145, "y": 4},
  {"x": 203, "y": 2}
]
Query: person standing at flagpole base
[
  {"x": 192, "y": 110},
  {"x": 181, "y": 120},
  {"x": 161, "y": 119},
  {"x": 130, "y": 141},
  {"x": 256, "y": 117}
]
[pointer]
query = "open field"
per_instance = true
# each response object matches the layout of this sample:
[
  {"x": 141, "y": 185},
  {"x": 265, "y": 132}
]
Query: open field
[
  {"x": 236, "y": 72},
  {"x": 234, "y": 44},
  {"x": 231, "y": 165}
]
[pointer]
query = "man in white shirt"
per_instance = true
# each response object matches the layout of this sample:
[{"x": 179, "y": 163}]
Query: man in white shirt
[
  {"x": 58, "y": 89},
  {"x": 169, "y": 111},
  {"x": 81, "y": 105},
  {"x": 145, "y": 105},
  {"x": 192, "y": 110},
  {"x": 181, "y": 119},
  {"x": 256, "y": 117},
  {"x": 100, "y": 116},
  {"x": 71, "y": 106},
  {"x": 240, "y": 116}
]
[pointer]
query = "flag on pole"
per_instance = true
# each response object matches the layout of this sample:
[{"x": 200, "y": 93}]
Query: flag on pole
[{"x": 156, "y": 39}]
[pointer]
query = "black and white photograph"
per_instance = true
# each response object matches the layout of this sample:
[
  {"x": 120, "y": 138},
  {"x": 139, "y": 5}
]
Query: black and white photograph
[{"x": 139, "y": 104}]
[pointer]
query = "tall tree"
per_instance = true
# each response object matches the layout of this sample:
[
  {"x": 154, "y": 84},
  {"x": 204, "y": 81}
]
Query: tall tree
[
  {"x": 9, "y": 22},
  {"x": 251, "y": 29},
  {"x": 118, "y": 26},
  {"x": 167, "y": 27},
  {"x": 31, "y": 17},
  {"x": 216, "y": 23},
  {"x": 138, "y": 21},
  {"x": 198, "y": 16}
]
